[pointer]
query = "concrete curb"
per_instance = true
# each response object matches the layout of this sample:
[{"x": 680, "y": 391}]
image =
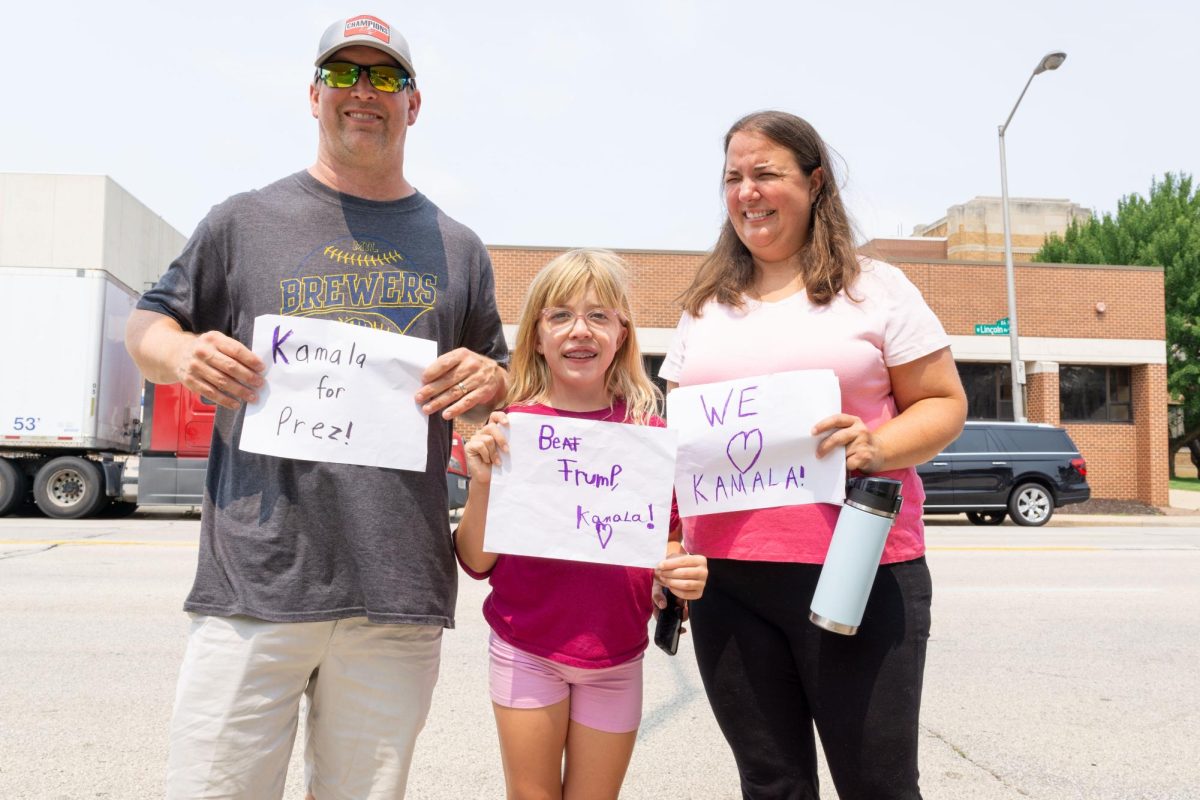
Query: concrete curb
[{"x": 1061, "y": 520}]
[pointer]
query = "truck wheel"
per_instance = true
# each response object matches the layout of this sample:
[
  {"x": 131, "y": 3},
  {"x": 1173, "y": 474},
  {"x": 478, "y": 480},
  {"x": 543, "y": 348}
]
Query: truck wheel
[
  {"x": 1031, "y": 504},
  {"x": 13, "y": 487},
  {"x": 69, "y": 487}
]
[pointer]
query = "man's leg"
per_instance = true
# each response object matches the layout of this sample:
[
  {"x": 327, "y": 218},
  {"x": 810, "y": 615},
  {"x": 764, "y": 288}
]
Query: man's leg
[
  {"x": 370, "y": 701},
  {"x": 236, "y": 706}
]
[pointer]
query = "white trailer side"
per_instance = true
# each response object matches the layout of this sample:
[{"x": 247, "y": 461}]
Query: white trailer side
[{"x": 66, "y": 380}]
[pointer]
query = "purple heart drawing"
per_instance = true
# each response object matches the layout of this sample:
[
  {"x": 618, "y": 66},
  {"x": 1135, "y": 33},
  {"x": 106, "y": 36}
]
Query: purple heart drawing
[
  {"x": 747, "y": 452},
  {"x": 604, "y": 540}
]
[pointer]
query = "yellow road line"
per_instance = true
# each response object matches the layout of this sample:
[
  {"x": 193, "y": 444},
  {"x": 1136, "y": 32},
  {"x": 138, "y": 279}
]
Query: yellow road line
[
  {"x": 1026, "y": 549},
  {"x": 94, "y": 542}
]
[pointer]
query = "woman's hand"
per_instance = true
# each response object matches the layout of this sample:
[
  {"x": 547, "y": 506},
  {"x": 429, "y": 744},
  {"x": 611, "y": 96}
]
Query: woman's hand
[
  {"x": 863, "y": 451},
  {"x": 931, "y": 406},
  {"x": 484, "y": 448}
]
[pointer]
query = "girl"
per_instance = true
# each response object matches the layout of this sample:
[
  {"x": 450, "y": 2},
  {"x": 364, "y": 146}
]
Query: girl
[{"x": 568, "y": 637}]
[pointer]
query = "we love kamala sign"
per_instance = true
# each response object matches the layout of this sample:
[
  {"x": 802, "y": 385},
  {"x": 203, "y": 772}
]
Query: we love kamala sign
[{"x": 745, "y": 443}]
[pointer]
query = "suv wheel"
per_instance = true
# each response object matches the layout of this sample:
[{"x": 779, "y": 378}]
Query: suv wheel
[
  {"x": 1031, "y": 504},
  {"x": 986, "y": 517}
]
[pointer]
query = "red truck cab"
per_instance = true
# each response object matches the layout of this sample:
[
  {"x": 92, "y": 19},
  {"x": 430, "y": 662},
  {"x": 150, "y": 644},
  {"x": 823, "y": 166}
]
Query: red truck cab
[{"x": 176, "y": 433}]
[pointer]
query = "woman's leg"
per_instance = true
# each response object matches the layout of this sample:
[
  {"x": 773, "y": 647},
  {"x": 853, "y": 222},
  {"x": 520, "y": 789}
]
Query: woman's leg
[
  {"x": 596, "y": 762},
  {"x": 750, "y": 675},
  {"x": 866, "y": 689},
  {"x": 531, "y": 747}
]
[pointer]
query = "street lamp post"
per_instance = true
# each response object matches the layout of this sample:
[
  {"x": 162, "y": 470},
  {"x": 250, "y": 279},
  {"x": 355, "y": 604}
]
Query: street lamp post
[{"x": 1048, "y": 62}]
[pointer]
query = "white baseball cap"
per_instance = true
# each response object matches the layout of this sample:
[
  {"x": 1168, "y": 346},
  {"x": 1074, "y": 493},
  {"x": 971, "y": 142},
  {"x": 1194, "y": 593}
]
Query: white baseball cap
[{"x": 366, "y": 30}]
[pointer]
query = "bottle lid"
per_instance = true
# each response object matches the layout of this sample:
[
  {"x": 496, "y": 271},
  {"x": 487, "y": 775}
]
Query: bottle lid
[{"x": 880, "y": 494}]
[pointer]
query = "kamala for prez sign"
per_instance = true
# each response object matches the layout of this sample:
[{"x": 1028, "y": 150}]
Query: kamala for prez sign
[{"x": 340, "y": 393}]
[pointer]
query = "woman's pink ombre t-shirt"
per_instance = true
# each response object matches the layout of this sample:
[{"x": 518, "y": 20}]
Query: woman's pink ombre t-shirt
[{"x": 859, "y": 341}]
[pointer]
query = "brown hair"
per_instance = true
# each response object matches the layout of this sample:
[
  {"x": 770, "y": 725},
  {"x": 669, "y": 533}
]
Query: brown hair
[
  {"x": 559, "y": 282},
  {"x": 830, "y": 263}
]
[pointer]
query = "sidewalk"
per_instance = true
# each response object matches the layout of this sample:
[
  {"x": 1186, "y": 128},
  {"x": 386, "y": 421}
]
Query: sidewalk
[
  {"x": 1185, "y": 520},
  {"x": 1184, "y": 512},
  {"x": 1061, "y": 520},
  {"x": 1182, "y": 498}
]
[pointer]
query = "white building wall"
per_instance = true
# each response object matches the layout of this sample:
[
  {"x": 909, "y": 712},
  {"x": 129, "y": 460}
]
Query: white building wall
[{"x": 83, "y": 222}]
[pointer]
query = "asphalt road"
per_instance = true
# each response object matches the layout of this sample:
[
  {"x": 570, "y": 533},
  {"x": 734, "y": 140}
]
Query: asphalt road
[{"x": 1062, "y": 664}]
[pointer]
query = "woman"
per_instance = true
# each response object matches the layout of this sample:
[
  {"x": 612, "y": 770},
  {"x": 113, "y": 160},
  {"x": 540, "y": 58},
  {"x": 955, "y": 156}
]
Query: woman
[{"x": 783, "y": 290}]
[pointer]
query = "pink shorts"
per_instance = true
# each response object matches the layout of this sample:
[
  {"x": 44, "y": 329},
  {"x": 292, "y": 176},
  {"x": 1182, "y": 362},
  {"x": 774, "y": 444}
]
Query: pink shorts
[{"x": 607, "y": 699}]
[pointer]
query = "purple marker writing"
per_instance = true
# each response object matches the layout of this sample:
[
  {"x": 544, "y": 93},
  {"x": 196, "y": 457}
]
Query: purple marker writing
[
  {"x": 277, "y": 346},
  {"x": 581, "y": 477}
]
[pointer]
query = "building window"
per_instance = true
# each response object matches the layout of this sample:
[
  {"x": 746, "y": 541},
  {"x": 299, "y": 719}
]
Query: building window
[
  {"x": 989, "y": 390},
  {"x": 653, "y": 365},
  {"x": 1094, "y": 394}
]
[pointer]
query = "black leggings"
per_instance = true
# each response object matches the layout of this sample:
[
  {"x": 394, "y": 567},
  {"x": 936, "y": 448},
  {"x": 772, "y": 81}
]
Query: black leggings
[{"x": 770, "y": 674}]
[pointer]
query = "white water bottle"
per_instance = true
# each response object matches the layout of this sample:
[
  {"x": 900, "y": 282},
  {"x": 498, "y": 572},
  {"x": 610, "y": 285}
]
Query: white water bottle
[{"x": 854, "y": 552}]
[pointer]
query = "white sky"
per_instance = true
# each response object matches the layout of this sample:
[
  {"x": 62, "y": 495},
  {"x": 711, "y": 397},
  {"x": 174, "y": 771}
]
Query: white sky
[{"x": 553, "y": 123}]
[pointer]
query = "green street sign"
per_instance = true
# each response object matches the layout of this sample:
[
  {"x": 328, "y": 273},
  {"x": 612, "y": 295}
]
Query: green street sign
[{"x": 997, "y": 328}]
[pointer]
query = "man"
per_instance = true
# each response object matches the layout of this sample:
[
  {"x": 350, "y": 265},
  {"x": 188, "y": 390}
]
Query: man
[{"x": 307, "y": 565}]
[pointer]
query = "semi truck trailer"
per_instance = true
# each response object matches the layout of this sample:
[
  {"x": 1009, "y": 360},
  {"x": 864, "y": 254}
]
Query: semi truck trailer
[{"x": 81, "y": 433}]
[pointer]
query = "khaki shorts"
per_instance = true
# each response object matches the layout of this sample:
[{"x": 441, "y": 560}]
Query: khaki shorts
[{"x": 237, "y": 706}]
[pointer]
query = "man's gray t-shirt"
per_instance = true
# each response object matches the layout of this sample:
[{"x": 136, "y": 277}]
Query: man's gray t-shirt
[{"x": 292, "y": 541}]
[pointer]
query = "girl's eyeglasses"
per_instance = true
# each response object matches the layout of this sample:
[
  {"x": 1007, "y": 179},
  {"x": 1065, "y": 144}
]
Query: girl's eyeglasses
[{"x": 560, "y": 319}]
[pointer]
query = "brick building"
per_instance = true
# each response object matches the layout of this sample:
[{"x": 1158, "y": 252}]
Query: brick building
[{"x": 1092, "y": 339}]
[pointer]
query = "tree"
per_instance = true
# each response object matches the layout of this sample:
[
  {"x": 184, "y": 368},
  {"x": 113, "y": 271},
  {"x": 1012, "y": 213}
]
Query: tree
[{"x": 1163, "y": 231}]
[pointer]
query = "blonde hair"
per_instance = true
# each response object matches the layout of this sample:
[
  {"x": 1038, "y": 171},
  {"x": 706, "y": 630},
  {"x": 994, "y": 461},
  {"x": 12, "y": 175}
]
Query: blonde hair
[{"x": 559, "y": 282}]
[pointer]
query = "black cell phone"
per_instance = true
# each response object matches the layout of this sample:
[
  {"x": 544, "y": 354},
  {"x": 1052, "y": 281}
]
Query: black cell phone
[{"x": 666, "y": 632}]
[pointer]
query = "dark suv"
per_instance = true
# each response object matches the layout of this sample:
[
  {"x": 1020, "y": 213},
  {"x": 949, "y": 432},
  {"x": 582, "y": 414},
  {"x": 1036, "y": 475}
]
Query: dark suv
[{"x": 995, "y": 469}]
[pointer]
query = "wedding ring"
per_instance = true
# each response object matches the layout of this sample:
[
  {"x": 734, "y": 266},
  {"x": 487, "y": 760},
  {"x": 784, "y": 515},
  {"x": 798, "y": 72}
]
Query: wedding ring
[{"x": 462, "y": 389}]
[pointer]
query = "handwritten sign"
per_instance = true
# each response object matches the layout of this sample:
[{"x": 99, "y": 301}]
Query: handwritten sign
[
  {"x": 338, "y": 392},
  {"x": 744, "y": 443},
  {"x": 582, "y": 490}
]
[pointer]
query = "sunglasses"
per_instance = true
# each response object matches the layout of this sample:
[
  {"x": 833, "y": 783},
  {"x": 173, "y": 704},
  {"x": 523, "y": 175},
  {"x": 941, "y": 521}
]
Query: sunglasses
[
  {"x": 560, "y": 319},
  {"x": 343, "y": 75}
]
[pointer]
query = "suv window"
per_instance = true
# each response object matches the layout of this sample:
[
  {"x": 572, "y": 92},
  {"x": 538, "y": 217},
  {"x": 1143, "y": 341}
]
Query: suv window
[
  {"x": 1015, "y": 440},
  {"x": 971, "y": 440}
]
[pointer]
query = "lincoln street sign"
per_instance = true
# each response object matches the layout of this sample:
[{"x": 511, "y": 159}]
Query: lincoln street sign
[{"x": 997, "y": 328}]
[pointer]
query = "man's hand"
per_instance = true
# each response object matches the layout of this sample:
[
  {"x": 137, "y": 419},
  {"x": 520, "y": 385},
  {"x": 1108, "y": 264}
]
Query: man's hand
[
  {"x": 212, "y": 365},
  {"x": 460, "y": 381},
  {"x": 220, "y": 368}
]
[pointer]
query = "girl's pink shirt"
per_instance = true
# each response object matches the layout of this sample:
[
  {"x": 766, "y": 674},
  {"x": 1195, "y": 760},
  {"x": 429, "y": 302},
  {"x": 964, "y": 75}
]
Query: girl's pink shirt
[
  {"x": 576, "y": 613},
  {"x": 859, "y": 341}
]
